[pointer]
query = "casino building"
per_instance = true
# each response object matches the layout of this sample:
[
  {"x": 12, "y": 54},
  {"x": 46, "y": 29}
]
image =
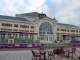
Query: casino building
[{"x": 36, "y": 27}]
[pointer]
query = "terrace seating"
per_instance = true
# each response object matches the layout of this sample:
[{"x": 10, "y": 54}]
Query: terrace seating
[
  {"x": 62, "y": 52},
  {"x": 73, "y": 51},
  {"x": 41, "y": 48},
  {"x": 51, "y": 54},
  {"x": 35, "y": 55}
]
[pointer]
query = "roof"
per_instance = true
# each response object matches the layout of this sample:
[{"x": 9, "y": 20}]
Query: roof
[
  {"x": 32, "y": 14},
  {"x": 66, "y": 24},
  {"x": 13, "y": 18},
  {"x": 35, "y": 14}
]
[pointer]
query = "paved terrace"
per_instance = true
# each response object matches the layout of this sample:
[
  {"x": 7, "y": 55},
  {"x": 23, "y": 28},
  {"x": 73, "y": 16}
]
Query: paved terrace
[{"x": 25, "y": 55}]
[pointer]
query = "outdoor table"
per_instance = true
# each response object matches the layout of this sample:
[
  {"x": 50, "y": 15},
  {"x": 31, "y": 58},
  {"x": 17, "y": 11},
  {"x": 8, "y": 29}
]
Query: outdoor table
[
  {"x": 43, "y": 52},
  {"x": 68, "y": 50},
  {"x": 57, "y": 51}
]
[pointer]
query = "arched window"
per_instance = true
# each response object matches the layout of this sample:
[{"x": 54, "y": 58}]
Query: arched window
[{"x": 45, "y": 28}]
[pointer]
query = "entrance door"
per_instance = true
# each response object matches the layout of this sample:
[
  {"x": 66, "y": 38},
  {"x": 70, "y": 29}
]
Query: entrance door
[{"x": 48, "y": 38}]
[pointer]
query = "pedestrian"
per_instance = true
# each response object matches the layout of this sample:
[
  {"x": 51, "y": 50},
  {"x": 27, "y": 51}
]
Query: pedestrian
[{"x": 55, "y": 41}]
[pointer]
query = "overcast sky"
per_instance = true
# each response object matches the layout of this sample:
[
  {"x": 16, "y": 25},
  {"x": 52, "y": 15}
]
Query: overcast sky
[{"x": 66, "y": 11}]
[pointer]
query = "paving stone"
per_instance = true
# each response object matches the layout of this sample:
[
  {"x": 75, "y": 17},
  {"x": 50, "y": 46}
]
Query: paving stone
[{"x": 24, "y": 55}]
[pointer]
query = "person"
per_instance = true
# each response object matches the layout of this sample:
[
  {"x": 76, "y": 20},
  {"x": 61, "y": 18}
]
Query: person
[
  {"x": 55, "y": 41},
  {"x": 57, "y": 52}
]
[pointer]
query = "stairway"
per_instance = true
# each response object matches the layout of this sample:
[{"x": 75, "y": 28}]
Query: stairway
[{"x": 56, "y": 45}]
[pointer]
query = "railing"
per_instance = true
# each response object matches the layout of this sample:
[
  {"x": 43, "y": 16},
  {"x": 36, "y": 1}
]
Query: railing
[
  {"x": 2, "y": 41},
  {"x": 75, "y": 41}
]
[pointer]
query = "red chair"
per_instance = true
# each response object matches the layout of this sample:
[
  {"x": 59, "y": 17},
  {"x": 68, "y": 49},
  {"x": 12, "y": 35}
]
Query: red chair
[
  {"x": 54, "y": 51},
  {"x": 61, "y": 48},
  {"x": 51, "y": 54},
  {"x": 41, "y": 48},
  {"x": 35, "y": 55},
  {"x": 73, "y": 51},
  {"x": 62, "y": 52}
]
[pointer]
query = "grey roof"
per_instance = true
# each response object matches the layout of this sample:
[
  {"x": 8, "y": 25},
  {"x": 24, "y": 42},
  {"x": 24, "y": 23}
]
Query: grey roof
[
  {"x": 13, "y": 18},
  {"x": 32, "y": 14},
  {"x": 35, "y": 14},
  {"x": 66, "y": 24}
]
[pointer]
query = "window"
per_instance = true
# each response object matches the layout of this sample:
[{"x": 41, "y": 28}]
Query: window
[
  {"x": 15, "y": 25},
  {"x": 15, "y": 30},
  {"x": 32, "y": 27},
  {"x": 67, "y": 30},
  {"x": 6, "y": 29},
  {"x": 63, "y": 29},
  {"x": 45, "y": 28},
  {"x": 31, "y": 37},
  {"x": 24, "y": 30},
  {"x": 57, "y": 33},
  {"x": 72, "y": 30},
  {"x": 31, "y": 31},
  {"x": 57, "y": 29},
  {"x": 24, "y": 26},
  {"x": 40, "y": 32},
  {"x": 15, "y": 35},
  {"x": 76, "y": 31},
  {"x": 6, "y": 24}
]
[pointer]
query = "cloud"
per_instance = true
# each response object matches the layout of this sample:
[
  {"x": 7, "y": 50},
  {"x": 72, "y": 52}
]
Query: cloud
[
  {"x": 66, "y": 11},
  {"x": 11, "y": 7}
]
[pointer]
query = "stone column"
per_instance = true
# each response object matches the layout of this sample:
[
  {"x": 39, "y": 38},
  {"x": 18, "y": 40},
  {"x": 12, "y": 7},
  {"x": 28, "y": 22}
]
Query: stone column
[{"x": 54, "y": 32}]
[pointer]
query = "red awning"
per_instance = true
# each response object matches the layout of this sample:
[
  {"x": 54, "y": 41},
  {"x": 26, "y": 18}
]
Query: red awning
[{"x": 19, "y": 32}]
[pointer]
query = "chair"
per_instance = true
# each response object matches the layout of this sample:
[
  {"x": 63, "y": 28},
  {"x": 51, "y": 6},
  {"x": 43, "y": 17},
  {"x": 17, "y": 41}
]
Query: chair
[
  {"x": 41, "y": 48},
  {"x": 73, "y": 51},
  {"x": 51, "y": 54},
  {"x": 62, "y": 52},
  {"x": 61, "y": 48},
  {"x": 42, "y": 53},
  {"x": 35, "y": 55}
]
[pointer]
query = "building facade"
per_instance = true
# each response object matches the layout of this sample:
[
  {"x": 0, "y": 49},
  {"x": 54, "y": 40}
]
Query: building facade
[{"x": 35, "y": 27}]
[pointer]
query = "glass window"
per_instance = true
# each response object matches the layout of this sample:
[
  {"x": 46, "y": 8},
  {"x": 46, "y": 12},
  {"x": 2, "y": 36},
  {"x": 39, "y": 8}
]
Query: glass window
[
  {"x": 24, "y": 30},
  {"x": 40, "y": 32},
  {"x": 15, "y": 30},
  {"x": 15, "y": 25},
  {"x": 72, "y": 30},
  {"x": 47, "y": 38},
  {"x": 63, "y": 29},
  {"x": 32, "y": 27},
  {"x": 57, "y": 29},
  {"x": 43, "y": 32},
  {"x": 24, "y": 26},
  {"x": 45, "y": 27},
  {"x": 6, "y": 24},
  {"x": 47, "y": 32},
  {"x": 6, "y": 29}
]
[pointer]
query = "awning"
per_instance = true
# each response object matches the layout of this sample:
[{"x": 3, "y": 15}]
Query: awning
[{"x": 18, "y": 32}]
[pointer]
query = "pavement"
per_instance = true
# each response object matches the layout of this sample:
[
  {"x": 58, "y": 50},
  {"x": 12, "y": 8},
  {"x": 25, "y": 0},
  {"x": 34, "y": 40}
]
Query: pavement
[{"x": 26, "y": 54}]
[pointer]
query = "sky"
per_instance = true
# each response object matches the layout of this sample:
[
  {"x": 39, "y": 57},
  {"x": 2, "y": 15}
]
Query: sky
[{"x": 65, "y": 11}]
